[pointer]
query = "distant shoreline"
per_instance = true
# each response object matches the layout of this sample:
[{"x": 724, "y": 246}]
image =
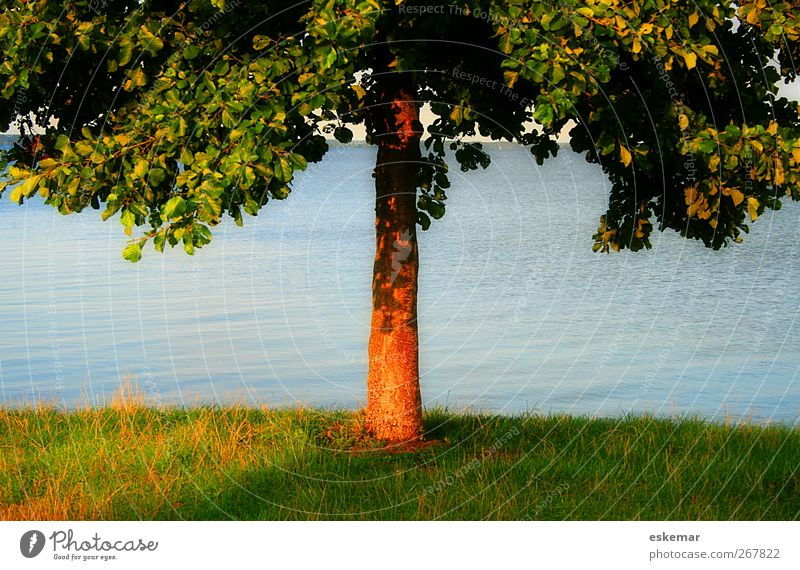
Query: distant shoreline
[{"x": 8, "y": 139}]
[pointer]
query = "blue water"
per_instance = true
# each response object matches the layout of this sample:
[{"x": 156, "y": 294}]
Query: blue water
[{"x": 516, "y": 312}]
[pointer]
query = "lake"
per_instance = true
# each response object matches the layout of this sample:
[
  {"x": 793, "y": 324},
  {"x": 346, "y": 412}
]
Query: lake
[{"x": 516, "y": 312}]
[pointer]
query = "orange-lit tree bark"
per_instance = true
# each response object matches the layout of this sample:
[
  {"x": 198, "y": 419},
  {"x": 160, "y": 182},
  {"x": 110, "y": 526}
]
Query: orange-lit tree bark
[{"x": 394, "y": 408}]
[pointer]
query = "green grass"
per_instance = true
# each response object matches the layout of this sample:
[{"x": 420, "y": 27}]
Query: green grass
[{"x": 133, "y": 462}]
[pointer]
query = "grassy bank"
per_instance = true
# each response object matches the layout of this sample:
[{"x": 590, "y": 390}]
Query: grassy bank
[{"x": 131, "y": 462}]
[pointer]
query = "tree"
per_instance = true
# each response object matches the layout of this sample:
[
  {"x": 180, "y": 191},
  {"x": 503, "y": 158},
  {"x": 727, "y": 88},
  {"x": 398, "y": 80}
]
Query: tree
[{"x": 174, "y": 113}]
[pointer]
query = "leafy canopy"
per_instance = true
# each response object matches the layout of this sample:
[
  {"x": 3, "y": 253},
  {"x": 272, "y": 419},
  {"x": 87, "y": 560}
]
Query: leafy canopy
[{"x": 173, "y": 114}]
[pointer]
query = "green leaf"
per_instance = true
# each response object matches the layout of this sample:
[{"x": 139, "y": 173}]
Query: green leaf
[
  {"x": 228, "y": 120},
  {"x": 127, "y": 218},
  {"x": 62, "y": 142},
  {"x": 158, "y": 242},
  {"x": 543, "y": 114},
  {"x": 191, "y": 52},
  {"x": 423, "y": 220},
  {"x": 201, "y": 235},
  {"x": 343, "y": 134},
  {"x": 247, "y": 178},
  {"x": 111, "y": 209},
  {"x": 282, "y": 169},
  {"x": 330, "y": 60},
  {"x": 214, "y": 189},
  {"x": 221, "y": 68},
  {"x": 132, "y": 253},
  {"x": 136, "y": 78},
  {"x": 174, "y": 208},
  {"x": 298, "y": 161},
  {"x": 280, "y": 193},
  {"x": 436, "y": 209},
  {"x": 261, "y": 42},
  {"x": 707, "y": 146},
  {"x": 187, "y": 158},
  {"x": 236, "y": 214},
  {"x": 157, "y": 176},
  {"x": 125, "y": 52},
  {"x": 506, "y": 44}
]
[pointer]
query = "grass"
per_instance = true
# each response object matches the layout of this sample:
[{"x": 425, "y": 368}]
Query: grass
[{"x": 129, "y": 461}]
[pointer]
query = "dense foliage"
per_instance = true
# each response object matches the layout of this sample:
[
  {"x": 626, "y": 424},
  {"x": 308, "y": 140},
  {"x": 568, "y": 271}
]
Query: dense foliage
[{"x": 173, "y": 113}]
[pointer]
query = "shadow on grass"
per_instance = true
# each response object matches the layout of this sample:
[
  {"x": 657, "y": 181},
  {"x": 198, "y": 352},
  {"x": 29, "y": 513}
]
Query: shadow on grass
[{"x": 504, "y": 468}]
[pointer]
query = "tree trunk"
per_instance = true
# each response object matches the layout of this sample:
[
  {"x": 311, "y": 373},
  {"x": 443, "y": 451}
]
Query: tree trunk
[{"x": 394, "y": 406}]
